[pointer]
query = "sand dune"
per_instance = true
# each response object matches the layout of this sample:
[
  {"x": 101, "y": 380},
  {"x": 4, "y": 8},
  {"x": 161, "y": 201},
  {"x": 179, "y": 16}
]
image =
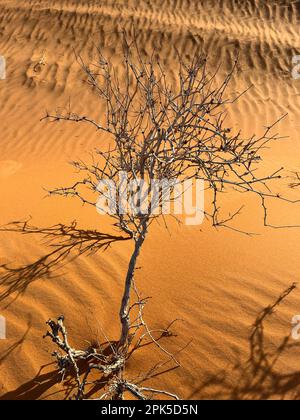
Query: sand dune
[{"x": 217, "y": 282}]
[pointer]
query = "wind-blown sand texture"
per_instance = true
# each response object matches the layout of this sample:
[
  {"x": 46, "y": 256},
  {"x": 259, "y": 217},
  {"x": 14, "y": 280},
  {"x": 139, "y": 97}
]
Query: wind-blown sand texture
[{"x": 218, "y": 282}]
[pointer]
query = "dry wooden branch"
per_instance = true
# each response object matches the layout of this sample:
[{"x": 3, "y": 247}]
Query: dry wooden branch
[
  {"x": 110, "y": 367},
  {"x": 158, "y": 130}
]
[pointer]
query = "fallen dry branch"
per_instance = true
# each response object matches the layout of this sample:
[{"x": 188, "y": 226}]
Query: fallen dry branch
[
  {"x": 110, "y": 367},
  {"x": 119, "y": 387}
]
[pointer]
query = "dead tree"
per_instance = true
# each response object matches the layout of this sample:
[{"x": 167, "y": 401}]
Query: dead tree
[{"x": 159, "y": 130}]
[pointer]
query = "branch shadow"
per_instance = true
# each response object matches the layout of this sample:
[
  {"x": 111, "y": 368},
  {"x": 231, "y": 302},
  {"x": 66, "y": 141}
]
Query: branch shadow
[
  {"x": 258, "y": 378},
  {"x": 4, "y": 355},
  {"x": 52, "y": 384},
  {"x": 64, "y": 242}
]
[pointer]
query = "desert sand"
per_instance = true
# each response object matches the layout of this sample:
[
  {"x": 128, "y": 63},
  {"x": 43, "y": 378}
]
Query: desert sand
[{"x": 217, "y": 282}]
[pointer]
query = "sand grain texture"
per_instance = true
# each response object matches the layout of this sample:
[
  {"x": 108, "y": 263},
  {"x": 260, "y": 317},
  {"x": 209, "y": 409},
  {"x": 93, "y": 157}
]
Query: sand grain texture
[{"x": 217, "y": 282}]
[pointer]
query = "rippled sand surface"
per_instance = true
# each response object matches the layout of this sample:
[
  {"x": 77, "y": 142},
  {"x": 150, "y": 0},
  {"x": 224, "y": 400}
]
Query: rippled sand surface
[{"x": 218, "y": 282}]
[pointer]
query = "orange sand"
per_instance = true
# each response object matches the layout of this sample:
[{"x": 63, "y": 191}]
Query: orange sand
[{"x": 217, "y": 282}]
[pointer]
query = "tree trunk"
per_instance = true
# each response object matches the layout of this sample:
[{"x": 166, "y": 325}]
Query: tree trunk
[{"x": 124, "y": 310}]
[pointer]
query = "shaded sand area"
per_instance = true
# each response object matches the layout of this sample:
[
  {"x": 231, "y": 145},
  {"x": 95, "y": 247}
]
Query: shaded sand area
[{"x": 218, "y": 282}]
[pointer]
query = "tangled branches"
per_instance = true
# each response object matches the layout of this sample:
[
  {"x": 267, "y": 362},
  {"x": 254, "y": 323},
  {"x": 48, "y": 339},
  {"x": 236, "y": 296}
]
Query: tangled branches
[
  {"x": 156, "y": 130},
  {"x": 110, "y": 366},
  {"x": 168, "y": 131}
]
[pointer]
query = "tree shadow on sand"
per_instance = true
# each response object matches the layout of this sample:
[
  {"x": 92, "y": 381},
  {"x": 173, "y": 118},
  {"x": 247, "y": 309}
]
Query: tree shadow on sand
[
  {"x": 13, "y": 347},
  {"x": 258, "y": 378},
  {"x": 6, "y": 353},
  {"x": 50, "y": 384},
  {"x": 64, "y": 242},
  {"x": 36, "y": 387}
]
